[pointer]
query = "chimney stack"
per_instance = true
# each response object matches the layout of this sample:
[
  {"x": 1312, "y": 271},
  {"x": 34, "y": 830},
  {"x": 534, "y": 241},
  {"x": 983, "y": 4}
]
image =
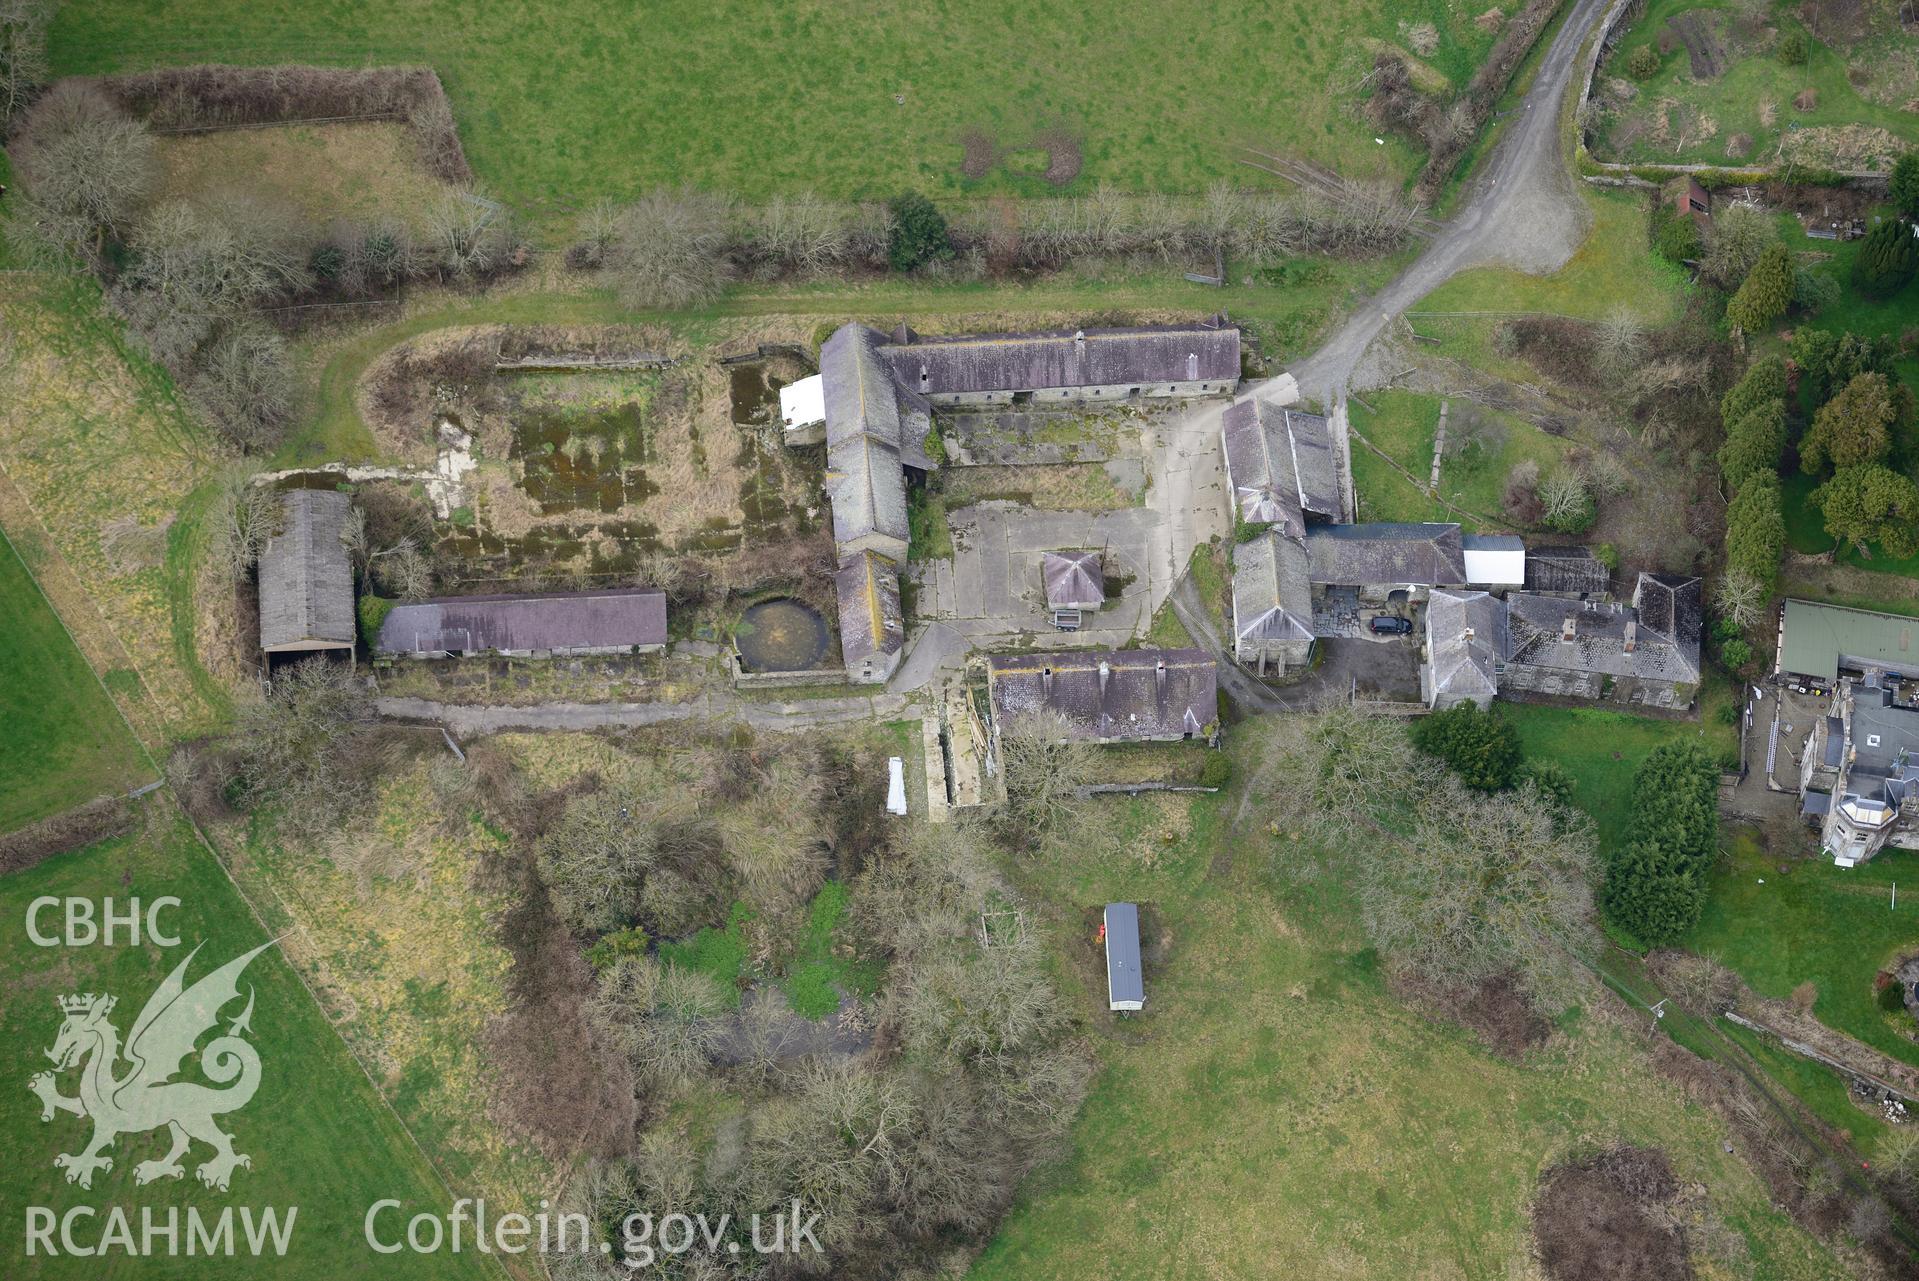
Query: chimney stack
[
  {"x": 1632, "y": 634},
  {"x": 1159, "y": 673},
  {"x": 1046, "y": 681},
  {"x": 1568, "y": 630}
]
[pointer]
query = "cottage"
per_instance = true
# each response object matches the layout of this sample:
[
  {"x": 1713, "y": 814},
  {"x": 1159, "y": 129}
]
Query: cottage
[
  {"x": 1572, "y": 572},
  {"x": 1467, "y": 645},
  {"x": 1816, "y": 641},
  {"x": 1381, "y": 559},
  {"x": 306, "y": 580},
  {"x": 1075, "y": 585},
  {"x": 1108, "y": 696},
  {"x": 872, "y": 624},
  {"x": 1281, "y": 466},
  {"x": 1125, "y": 983},
  {"x": 628, "y": 620},
  {"x": 1064, "y": 367},
  {"x": 1645, "y": 653},
  {"x": 1859, "y": 777},
  {"x": 1272, "y": 603}
]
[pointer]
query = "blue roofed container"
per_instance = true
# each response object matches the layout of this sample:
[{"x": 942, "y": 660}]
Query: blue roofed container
[{"x": 1125, "y": 987}]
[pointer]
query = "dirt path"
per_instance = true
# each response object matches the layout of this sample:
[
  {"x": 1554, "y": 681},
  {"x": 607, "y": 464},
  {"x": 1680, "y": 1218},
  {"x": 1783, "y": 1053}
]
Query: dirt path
[
  {"x": 465, "y": 720},
  {"x": 1703, "y": 51},
  {"x": 1524, "y": 212}
]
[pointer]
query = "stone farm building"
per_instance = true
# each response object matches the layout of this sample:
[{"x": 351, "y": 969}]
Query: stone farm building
[
  {"x": 1467, "y": 646},
  {"x": 1272, "y": 603},
  {"x": 1075, "y": 584},
  {"x": 558, "y": 625},
  {"x": 306, "y": 580},
  {"x": 872, "y": 625},
  {"x": 1084, "y": 364},
  {"x": 1377, "y": 561},
  {"x": 1282, "y": 468},
  {"x": 1108, "y": 696},
  {"x": 1646, "y": 652},
  {"x": 872, "y": 405}
]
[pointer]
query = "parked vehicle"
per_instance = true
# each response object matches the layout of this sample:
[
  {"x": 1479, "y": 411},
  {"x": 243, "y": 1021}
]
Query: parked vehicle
[{"x": 1390, "y": 625}]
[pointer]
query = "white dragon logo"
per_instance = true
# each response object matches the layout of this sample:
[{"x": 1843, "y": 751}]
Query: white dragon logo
[{"x": 145, "y": 1097}]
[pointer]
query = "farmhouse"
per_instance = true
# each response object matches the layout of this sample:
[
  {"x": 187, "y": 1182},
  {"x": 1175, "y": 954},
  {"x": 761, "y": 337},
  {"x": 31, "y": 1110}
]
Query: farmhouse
[
  {"x": 1817, "y": 641},
  {"x": 1108, "y": 696},
  {"x": 1467, "y": 645},
  {"x": 1859, "y": 780},
  {"x": 1379, "y": 560},
  {"x": 1125, "y": 984},
  {"x": 306, "y": 581},
  {"x": 1281, "y": 466},
  {"x": 872, "y": 626},
  {"x": 1272, "y": 603},
  {"x": 1084, "y": 364},
  {"x": 1573, "y": 572},
  {"x": 566, "y": 624},
  {"x": 1646, "y": 653}
]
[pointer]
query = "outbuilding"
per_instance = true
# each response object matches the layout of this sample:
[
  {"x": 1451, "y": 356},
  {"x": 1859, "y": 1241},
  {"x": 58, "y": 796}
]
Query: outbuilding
[
  {"x": 1125, "y": 986},
  {"x": 306, "y": 580}
]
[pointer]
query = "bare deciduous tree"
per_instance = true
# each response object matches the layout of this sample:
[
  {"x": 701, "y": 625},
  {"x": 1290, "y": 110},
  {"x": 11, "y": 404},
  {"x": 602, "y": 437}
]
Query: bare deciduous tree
[
  {"x": 1619, "y": 341},
  {"x": 87, "y": 168},
  {"x": 594, "y": 860},
  {"x": 1044, "y": 764},
  {"x": 23, "y": 53},
  {"x": 671, "y": 248},
  {"x": 1740, "y": 597},
  {"x": 245, "y": 517},
  {"x": 1563, "y": 494},
  {"x": 469, "y": 235},
  {"x": 301, "y": 747},
  {"x": 245, "y": 386},
  {"x": 664, "y": 1018}
]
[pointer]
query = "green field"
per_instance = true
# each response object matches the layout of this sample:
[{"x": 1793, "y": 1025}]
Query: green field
[
  {"x": 319, "y": 1136},
  {"x": 1277, "y": 1111},
  {"x": 64, "y": 743},
  {"x": 559, "y": 104},
  {"x": 1783, "y": 922},
  {"x": 1601, "y": 748}
]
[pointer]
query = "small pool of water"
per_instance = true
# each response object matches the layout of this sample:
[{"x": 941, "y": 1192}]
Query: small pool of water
[{"x": 781, "y": 635}]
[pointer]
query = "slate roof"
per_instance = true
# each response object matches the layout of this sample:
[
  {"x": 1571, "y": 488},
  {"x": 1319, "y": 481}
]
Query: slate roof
[
  {"x": 306, "y": 581},
  {"x": 1467, "y": 642},
  {"x": 1566, "y": 569},
  {"x": 1281, "y": 463},
  {"x": 617, "y": 618},
  {"x": 1272, "y": 597},
  {"x": 1600, "y": 633},
  {"x": 1109, "y": 694},
  {"x": 867, "y": 488},
  {"x": 871, "y": 621},
  {"x": 1066, "y": 358},
  {"x": 1673, "y": 607},
  {"x": 1887, "y": 769},
  {"x": 1074, "y": 580},
  {"x": 1397, "y": 555},
  {"x": 863, "y": 399}
]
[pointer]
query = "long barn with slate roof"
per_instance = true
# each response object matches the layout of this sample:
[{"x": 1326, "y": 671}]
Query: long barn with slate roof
[
  {"x": 1272, "y": 603},
  {"x": 555, "y": 625},
  {"x": 306, "y": 580},
  {"x": 872, "y": 626},
  {"x": 1380, "y": 559},
  {"x": 1646, "y": 652},
  {"x": 1111, "y": 696},
  {"x": 1083, "y": 364}
]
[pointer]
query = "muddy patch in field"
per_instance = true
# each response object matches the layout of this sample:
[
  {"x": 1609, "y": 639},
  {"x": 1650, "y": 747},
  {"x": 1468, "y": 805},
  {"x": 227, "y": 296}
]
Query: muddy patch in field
[
  {"x": 1602, "y": 1219},
  {"x": 1695, "y": 29}
]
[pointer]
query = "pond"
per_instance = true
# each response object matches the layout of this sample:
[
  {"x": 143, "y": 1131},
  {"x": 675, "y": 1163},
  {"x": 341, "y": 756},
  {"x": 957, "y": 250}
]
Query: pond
[{"x": 781, "y": 635}]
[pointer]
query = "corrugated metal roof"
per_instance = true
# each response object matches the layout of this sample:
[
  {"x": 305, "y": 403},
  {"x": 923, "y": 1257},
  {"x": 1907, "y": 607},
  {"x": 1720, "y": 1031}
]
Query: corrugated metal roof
[
  {"x": 1067, "y": 358},
  {"x": 1818, "y": 636},
  {"x": 613, "y": 619},
  {"x": 1125, "y": 982},
  {"x": 306, "y": 580}
]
